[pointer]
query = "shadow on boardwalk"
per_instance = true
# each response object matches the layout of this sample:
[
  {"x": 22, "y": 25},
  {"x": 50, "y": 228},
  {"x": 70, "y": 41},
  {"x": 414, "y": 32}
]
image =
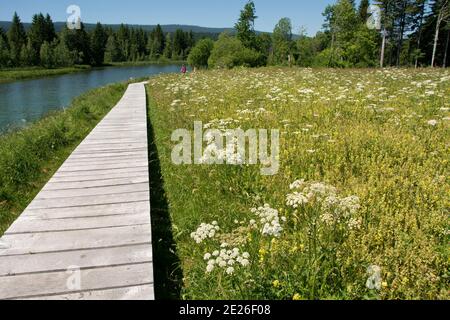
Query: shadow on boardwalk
[{"x": 168, "y": 274}]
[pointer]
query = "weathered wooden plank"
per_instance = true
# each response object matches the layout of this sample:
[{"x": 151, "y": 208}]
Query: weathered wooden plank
[
  {"x": 75, "y": 240},
  {"x": 96, "y": 173},
  {"x": 108, "y": 155},
  {"x": 69, "y": 167},
  {"x": 94, "y": 214},
  {"x": 36, "y": 224},
  {"x": 91, "y": 211},
  {"x": 85, "y": 201},
  {"x": 66, "y": 193},
  {"x": 99, "y": 177},
  {"x": 41, "y": 284},
  {"x": 61, "y": 261},
  {"x": 144, "y": 293},
  {"x": 54, "y": 185}
]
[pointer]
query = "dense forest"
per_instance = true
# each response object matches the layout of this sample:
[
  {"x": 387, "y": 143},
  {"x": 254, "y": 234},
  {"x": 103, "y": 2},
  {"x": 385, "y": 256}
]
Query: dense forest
[
  {"x": 42, "y": 46},
  {"x": 411, "y": 33}
]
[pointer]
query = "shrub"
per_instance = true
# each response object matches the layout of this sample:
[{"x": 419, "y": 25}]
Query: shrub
[
  {"x": 200, "y": 53},
  {"x": 229, "y": 52}
]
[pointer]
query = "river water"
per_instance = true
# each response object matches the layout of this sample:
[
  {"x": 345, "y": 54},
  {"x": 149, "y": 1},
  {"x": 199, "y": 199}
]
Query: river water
[{"x": 22, "y": 102}]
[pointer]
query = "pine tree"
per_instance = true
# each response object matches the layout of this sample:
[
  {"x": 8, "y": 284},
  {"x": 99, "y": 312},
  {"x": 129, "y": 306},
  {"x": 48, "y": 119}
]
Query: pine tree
[
  {"x": 123, "y": 41},
  {"x": 37, "y": 35},
  {"x": 159, "y": 41},
  {"x": 62, "y": 56},
  {"x": 168, "y": 49},
  {"x": 282, "y": 41},
  {"x": 112, "y": 52},
  {"x": 134, "y": 45},
  {"x": 245, "y": 26},
  {"x": 98, "y": 44},
  {"x": 50, "y": 33},
  {"x": 363, "y": 10},
  {"x": 4, "y": 50},
  {"x": 178, "y": 45},
  {"x": 17, "y": 38},
  {"x": 28, "y": 55},
  {"x": 78, "y": 42},
  {"x": 46, "y": 55}
]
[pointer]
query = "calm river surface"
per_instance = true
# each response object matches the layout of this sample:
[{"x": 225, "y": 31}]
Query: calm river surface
[{"x": 25, "y": 101}]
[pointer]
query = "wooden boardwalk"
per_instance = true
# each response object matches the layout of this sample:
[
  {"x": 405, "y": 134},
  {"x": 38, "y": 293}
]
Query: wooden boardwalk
[{"x": 87, "y": 234}]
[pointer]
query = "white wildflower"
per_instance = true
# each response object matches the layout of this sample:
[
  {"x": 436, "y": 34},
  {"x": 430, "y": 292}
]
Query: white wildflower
[
  {"x": 204, "y": 232},
  {"x": 230, "y": 270},
  {"x": 270, "y": 220},
  {"x": 296, "y": 200},
  {"x": 210, "y": 268}
]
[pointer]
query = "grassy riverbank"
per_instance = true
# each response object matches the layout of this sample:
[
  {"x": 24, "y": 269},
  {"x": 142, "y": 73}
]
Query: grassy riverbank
[
  {"x": 9, "y": 75},
  {"x": 29, "y": 157},
  {"x": 361, "y": 197},
  {"x": 146, "y": 63}
]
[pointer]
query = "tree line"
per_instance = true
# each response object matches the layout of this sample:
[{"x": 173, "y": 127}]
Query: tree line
[
  {"x": 41, "y": 45},
  {"x": 409, "y": 33}
]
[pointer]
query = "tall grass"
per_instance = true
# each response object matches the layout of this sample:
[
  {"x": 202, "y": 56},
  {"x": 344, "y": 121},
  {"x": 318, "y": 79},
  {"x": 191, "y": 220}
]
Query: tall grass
[
  {"x": 29, "y": 157},
  {"x": 370, "y": 221}
]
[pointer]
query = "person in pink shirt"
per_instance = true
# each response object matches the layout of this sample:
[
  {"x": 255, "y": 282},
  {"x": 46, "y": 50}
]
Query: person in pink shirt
[{"x": 183, "y": 69}]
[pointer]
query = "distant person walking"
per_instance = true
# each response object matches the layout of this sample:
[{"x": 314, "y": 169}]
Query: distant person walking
[{"x": 183, "y": 69}]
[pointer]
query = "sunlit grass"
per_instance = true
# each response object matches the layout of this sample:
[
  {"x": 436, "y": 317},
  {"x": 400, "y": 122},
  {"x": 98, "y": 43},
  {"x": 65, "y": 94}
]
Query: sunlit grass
[{"x": 378, "y": 136}]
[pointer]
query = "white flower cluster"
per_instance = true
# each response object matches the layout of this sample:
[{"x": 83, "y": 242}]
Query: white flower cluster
[
  {"x": 219, "y": 154},
  {"x": 205, "y": 231},
  {"x": 226, "y": 259},
  {"x": 334, "y": 208},
  {"x": 270, "y": 220},
  {"x": 296, "y": 200}
]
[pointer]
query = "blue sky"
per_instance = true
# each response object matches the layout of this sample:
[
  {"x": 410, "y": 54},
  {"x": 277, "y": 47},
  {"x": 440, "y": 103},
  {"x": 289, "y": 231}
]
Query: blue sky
[{"x": 207, "y": 13}]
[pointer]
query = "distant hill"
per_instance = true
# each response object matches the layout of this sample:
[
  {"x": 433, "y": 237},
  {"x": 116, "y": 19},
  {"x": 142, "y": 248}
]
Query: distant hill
[{"x": 167, "y": 28}]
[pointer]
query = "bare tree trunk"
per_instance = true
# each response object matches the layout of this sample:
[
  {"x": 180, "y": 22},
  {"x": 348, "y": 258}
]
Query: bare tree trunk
[
  {"x": 402, "y": 31},
  {"x": 436, "y": 39},
  {"x": 419, "y": 40},
  {"x": 383, "y": 48},
  {"x": 446, "y": 49},
  {"x": 443, "y": 14}
]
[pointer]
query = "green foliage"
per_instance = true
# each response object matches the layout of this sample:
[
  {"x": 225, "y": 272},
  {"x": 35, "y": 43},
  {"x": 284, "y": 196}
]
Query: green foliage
[
  {"x": 229, "y": 52},
  {"x": 306, "y": 50},
  {"x": 200, "y": 54},
  {"x": 156, "y": 43},
  {"x": 282, "y": 42},
  {"x": 168, "y": 49},
  {"x": 17, "y": 39},
  {"x": 78, "y": 41},
  {"x": 112, "y": 52},
  {"x": 363, "y": 9},
  {"x": 98, "y": 43},
  {"x": 4, "y": 52},
  {"x": 62, "y": 56},
  {"x": 28, "y": 55},
  {"x": 41, "y": 30},
  {"x": 47, "y": 55},
  {"x": 245, "y": 26},
  {"x": 363, "y": 51}
]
